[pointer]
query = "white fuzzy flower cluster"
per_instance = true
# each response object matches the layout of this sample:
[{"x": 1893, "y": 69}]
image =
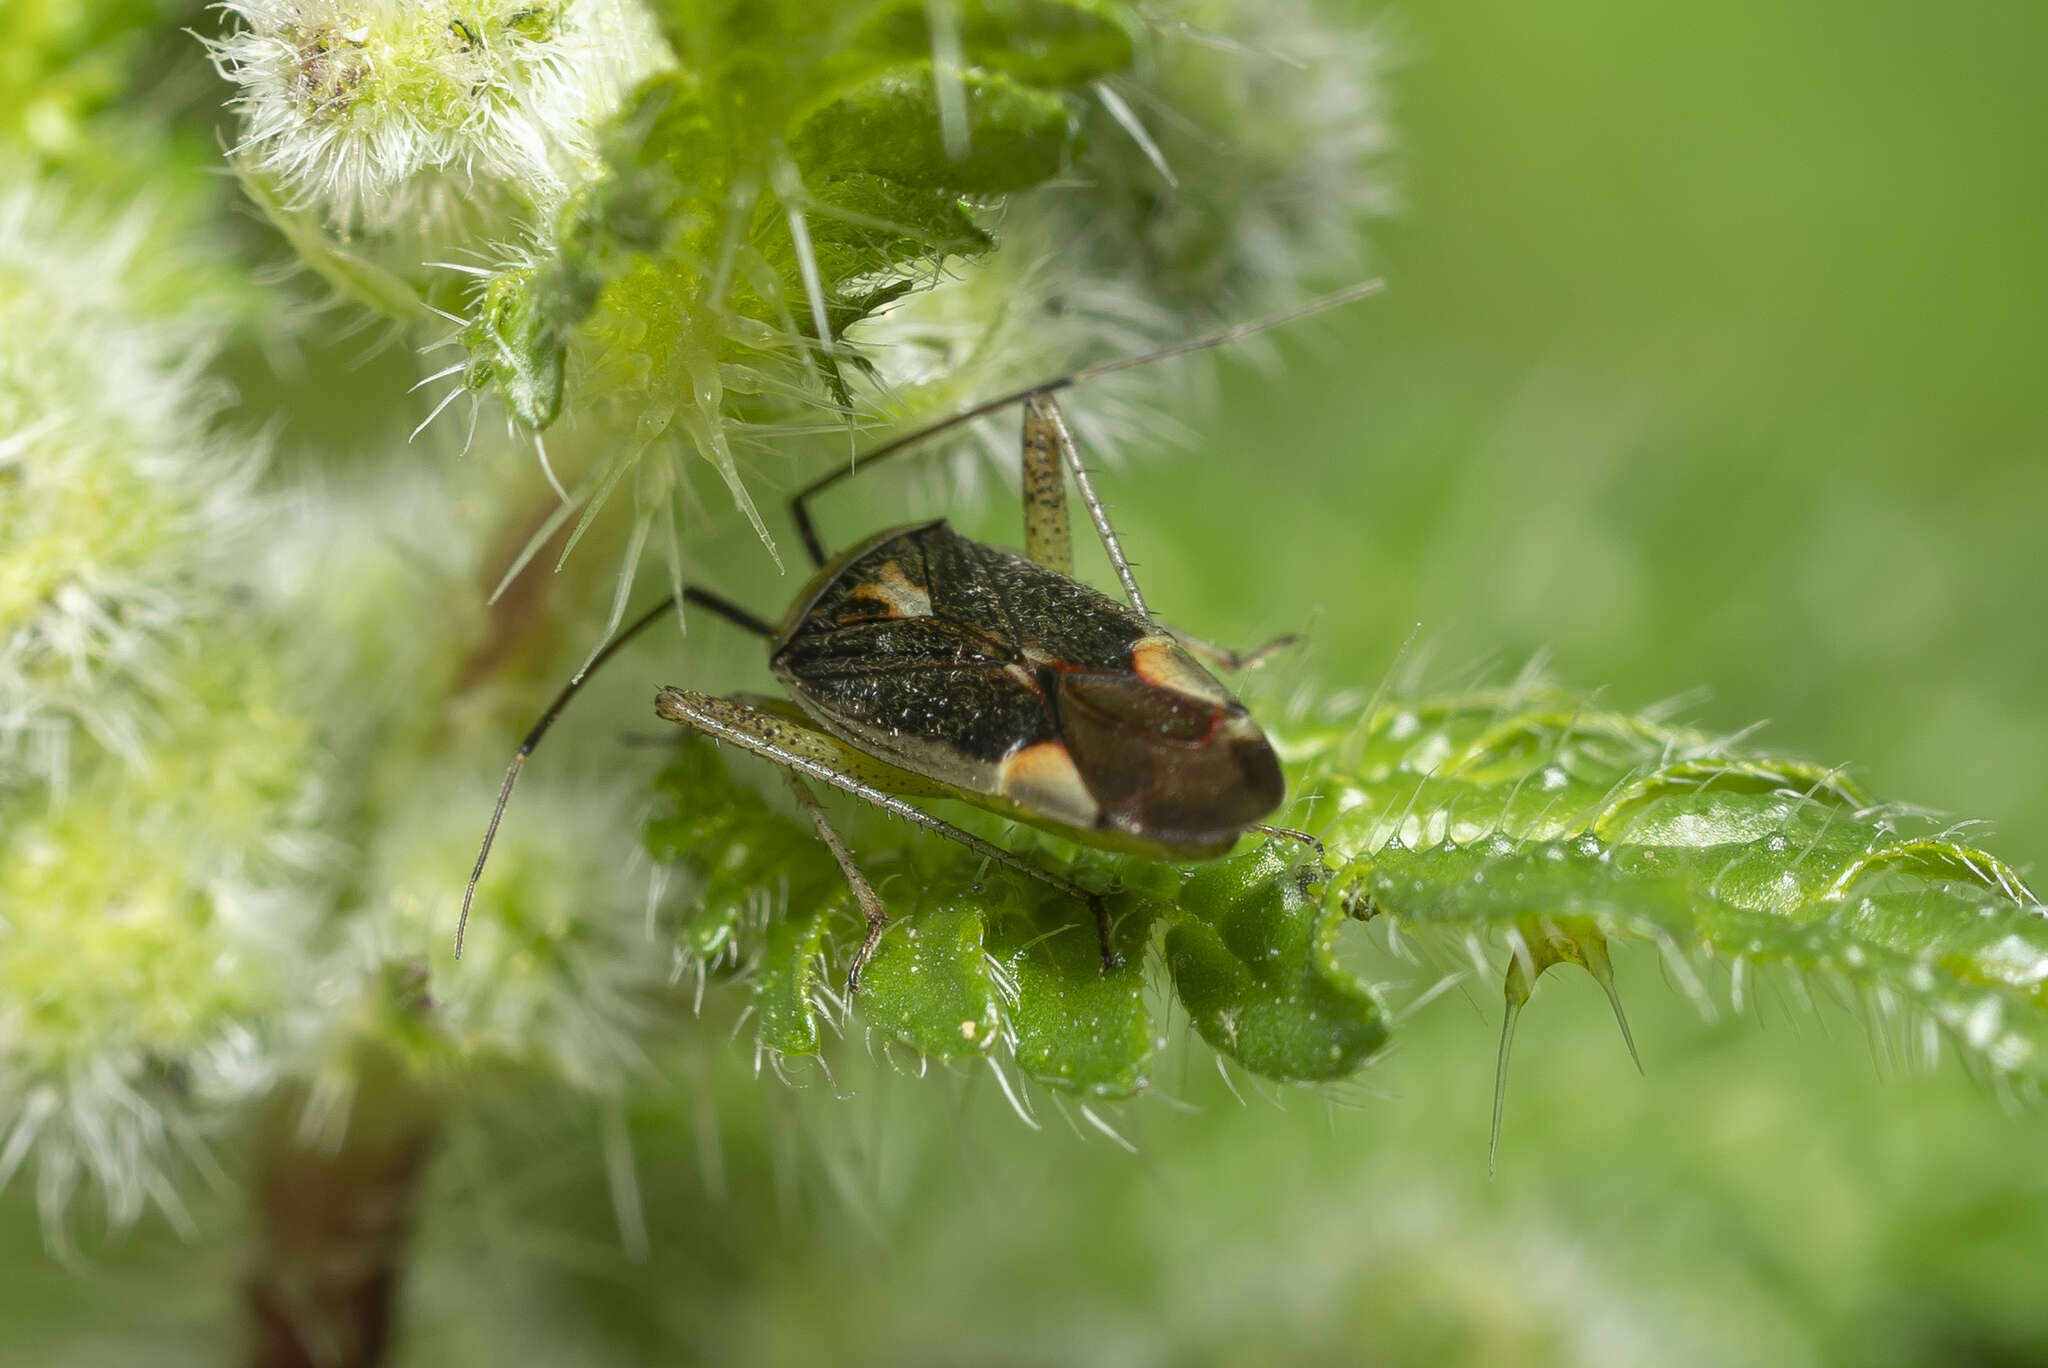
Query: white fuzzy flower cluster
[
  {"x": 410, "y": 115},
  {"x": 162, "y": 803},
  {"x": 114, "y": 500},
  {"x": 204, "y": 683}
]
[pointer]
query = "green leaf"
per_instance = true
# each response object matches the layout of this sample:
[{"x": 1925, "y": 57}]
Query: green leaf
[
  {"x": 1254, "y": 959},
  {"x": 862, "y": 226},
  {"x": 891, "y": 127},
  {"x": 1531, "y": 812},
  {"x": 1074, "y": 1027},
  {"x": 516, "y": 340},
  {"x": 1045, "y": 42},
  {"x": 795, "y": 157},
  {"x": 929, "y": 985},
  {"x": 762, "y": 899},
  {"x": 974, "y": 957},
  {"x": 1530, "y": 819},
  {"x": 787, "y": 981}
]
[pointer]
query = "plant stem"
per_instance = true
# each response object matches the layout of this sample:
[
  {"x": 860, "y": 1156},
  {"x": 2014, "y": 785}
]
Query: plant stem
[{"x": 333, "y": 1218}]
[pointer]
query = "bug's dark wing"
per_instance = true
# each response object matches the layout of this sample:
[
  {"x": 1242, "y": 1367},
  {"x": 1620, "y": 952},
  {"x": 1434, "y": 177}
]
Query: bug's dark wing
[
  {"x": 887, "y": 646},
  {"x": 881, "y": 579},
  {"x": 923, "y": 692},
  {"x": 927, "y": 648},
  {"x": 1164, "y": 751},
  {"x": 1043, "y": 614},
  {"x": 1006, "y": 602},
  {"x": 1181, "y": 770}
]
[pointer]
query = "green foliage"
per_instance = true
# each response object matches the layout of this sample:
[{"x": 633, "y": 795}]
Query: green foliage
[
  {"x": 789, "y": 174},
  {"x": 1525, "y": 813},
  {"x": 1529, "y": 819},
  {"x": 252, "y": 712},
  {"x": 1255, "y": 961},
  {"x": 979, "y": 960},
  {"x": 63, "y": 61}
]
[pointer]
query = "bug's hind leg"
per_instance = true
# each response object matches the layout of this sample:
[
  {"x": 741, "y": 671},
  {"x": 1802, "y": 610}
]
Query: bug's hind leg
[
  {"x": 1050, "y": 456},
  {"x": 1048, "y": 450},
  {"x": 1041, "y": 394},
  {"x": 806, "y": 753},
  {"x": 1048, "y": 532}
]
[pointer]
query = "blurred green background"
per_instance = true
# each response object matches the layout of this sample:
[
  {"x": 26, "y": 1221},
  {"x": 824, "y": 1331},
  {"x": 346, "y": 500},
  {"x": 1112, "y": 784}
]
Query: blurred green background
[{"x": 1709, "y": 361}]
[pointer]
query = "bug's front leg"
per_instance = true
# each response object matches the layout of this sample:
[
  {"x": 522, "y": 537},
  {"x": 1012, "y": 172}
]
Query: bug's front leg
[
  {"x": 1230, "y": 661},
  {"x": 804, "y": 752}
]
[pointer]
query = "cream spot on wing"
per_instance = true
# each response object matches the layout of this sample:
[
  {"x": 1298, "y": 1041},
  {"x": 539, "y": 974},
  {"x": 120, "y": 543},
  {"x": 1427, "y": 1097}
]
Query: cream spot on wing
[
  {"x": 1042, "y": 778},
  {"x": 1161, "y": 662},
  {"x": 894, "y": 589}
]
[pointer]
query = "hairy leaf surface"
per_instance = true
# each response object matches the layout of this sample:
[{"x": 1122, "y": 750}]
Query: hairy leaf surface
[{"x": 1527, "y": 821}]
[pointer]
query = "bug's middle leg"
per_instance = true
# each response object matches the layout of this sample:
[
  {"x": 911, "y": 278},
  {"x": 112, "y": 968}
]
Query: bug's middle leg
[
  {"x": 863, "y": 892},
  {"x": 807, "y": 753}
]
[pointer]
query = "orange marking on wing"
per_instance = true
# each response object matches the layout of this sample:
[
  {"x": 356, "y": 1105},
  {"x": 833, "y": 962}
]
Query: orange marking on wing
[{"x": 1161, "y": 662}]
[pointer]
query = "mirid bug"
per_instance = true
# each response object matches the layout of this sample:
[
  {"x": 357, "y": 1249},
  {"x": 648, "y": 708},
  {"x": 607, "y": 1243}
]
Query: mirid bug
[{"x": 923, "y": 664}]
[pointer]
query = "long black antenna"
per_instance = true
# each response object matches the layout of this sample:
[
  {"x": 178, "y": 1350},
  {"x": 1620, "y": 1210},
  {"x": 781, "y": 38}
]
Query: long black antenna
[
  {"x": 1348, "y": 294},
  {"x": 731, "y": 612}
]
